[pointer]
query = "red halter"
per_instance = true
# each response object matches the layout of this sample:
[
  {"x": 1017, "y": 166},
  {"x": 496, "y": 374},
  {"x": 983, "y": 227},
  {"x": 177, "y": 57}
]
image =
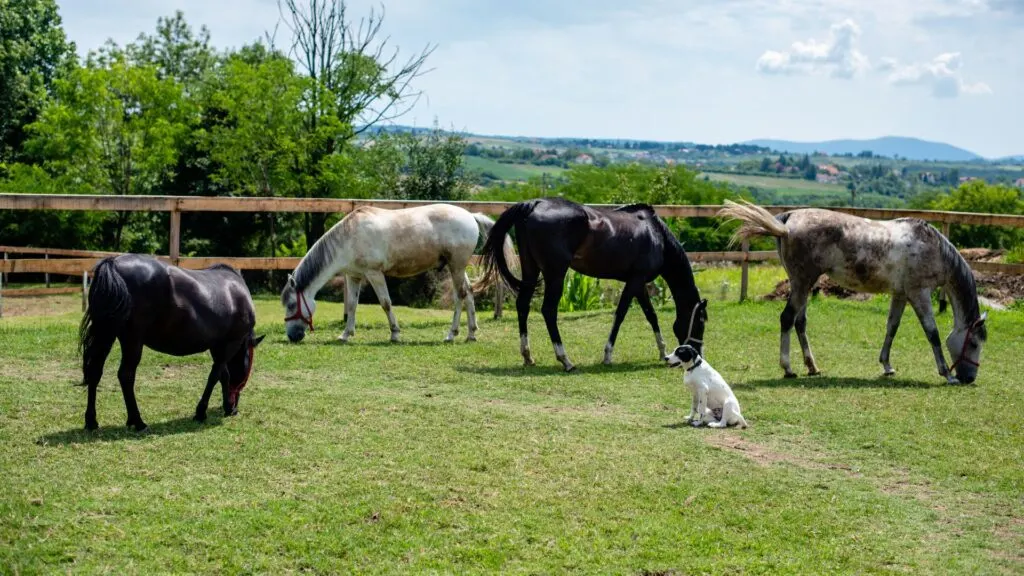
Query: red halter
[
  {"x": 963, "y": 351},
  {"x": 238, "y": 389},
  {"x": 299, "y": 301}
]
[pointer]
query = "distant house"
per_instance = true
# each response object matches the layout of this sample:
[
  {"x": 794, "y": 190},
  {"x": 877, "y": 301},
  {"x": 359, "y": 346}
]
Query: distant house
[
  {"x": 1019, "y": 182},
  {"x": 584, "y": 159},
  {"x": 928, "y": 177},
  {"x": 828, "y": 170}
]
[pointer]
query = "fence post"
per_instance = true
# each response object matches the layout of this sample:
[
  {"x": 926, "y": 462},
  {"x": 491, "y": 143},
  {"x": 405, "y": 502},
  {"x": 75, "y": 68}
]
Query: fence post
[
  {"x": 744, "y": 272},
  {"x": 47, "y": 275},
  {"x": 175, "y": 241},
  {"x": 85, "y": 290},
  {"x": 5, "y": 279},
  {"x": 499, "y": 298}
]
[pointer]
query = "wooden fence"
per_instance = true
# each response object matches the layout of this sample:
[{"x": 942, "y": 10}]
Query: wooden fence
[{"x": 81, "y": 261}]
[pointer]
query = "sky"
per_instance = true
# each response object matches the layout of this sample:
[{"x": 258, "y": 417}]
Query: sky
[{"x": 707, "y": 71}]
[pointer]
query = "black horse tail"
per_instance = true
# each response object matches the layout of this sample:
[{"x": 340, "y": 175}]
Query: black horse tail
[
  {"x": 110, "y": 304},
  {"x": 494, "y": 259}
]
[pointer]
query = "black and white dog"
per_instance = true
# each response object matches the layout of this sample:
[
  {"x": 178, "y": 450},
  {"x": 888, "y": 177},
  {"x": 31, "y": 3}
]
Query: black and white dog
[{"x": 711, "y": 394}]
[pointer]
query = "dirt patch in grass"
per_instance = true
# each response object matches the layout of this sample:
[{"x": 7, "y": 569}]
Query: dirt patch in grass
[
  {"x": 766, "y": 456},
  {"x": 41, "y": 305},
  {"x": 825, "y": 286}
]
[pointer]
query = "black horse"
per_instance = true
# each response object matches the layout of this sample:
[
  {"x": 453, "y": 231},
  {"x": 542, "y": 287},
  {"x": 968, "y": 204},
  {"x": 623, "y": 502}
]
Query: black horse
[
  {"x": 630, "y": 243},
  {"x": 142, "y": 301}
]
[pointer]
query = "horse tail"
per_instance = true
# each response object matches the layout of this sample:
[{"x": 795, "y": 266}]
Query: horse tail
[
  {"x": 497, "y": 250},
  {"x": 110, "y": 303},
  {"x": 508, "y": 250},
  {"x": 756, "y": 221}
]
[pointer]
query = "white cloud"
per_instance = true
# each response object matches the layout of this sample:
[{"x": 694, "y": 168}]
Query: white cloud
[
  {"x": 838, "y": 55},
  {"x": 942, "y": 75}
]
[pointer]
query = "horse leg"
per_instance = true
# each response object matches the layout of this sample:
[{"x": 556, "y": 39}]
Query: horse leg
[
  {"x": 921, "y": 302},
  {"x": 805, "y": 346},
  {"x": 353, "y": 286},
  {"x": 457, "y": 294},
  {"x": 794, "y": 307},
  {"x": 552, "y": 295},
  {"x": 526, "y": 290},
  {"x": 216, "y": 373},
  {"x": 92, "y": 370},
  {"x": 896, "y": 307},
  {"x": 131, "y": 354},
  {"x": 629, "y": 291},
  {"x": 652, "y": 318},
  {"x": 376, "y": 280},
  {"x": 466, "y": 293}
]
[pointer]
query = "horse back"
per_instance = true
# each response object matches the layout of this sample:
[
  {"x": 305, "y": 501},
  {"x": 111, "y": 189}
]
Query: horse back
[{"x": 862, "y": 254}]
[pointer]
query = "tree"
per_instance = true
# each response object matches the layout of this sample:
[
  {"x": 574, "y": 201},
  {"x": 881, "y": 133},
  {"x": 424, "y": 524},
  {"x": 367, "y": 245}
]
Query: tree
[
  {"x": 435, "y": 167},
  {"x": 174, "y": 50},
  {"x": 34, "y": 52},
  {"x": 766, "y": 164},
  {"x": 357, "y": 81},
  {"x": 117, "y": 129}
]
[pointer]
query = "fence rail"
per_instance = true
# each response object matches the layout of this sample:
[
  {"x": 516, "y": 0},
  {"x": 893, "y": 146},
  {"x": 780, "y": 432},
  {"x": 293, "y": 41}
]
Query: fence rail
[{"x": 80, "y": 262}]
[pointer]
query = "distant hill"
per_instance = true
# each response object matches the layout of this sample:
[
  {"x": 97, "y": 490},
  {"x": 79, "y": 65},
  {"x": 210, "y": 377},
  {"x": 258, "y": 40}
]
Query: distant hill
[{"x": 910, "y": 148}]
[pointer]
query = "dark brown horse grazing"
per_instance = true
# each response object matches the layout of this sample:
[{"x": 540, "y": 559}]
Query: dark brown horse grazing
[
  {"x": 905, "y": 257},
  {"x": 631, "y": 244},
  {"x": 141, "y": 301}
]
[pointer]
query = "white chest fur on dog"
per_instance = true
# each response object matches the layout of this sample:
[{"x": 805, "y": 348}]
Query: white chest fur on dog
[{"x": 710, "y": 393}]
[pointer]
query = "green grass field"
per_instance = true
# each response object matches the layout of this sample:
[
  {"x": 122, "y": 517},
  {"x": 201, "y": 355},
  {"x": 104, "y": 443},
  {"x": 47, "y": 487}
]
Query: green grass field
[
  {"x": 505, "y": 171},
  {"x": 773, "y": 183},
  {"x": 421, "y": 457}
]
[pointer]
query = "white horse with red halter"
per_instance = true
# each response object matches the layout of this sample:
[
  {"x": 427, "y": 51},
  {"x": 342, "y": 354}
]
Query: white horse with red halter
[{"x": 371, "y": 243}]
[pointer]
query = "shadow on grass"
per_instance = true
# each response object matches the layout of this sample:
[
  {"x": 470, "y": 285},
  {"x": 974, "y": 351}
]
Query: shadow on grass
[
  {"x": 184, "y": 425},
  {"x": 554, "y": 368},
  {"x": 832, "y": 382}
]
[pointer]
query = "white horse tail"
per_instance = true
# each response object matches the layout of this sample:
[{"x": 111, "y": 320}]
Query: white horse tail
[
  {"x": 486, "y": 225},
  {"x": 756, "y": 221}
]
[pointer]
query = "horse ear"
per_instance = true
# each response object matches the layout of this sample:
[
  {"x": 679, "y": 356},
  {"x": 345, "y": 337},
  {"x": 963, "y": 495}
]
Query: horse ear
[
  {"x": 704, "y": 303},
  {"x": 257, "y": 341}
]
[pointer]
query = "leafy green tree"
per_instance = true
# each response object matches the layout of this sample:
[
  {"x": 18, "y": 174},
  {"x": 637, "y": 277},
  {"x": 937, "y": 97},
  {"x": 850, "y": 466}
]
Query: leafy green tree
[
  {"x": 34, "y": 52},
  {"x": 117, "y": 129},
  {"x": 356, "y": 83},
  {"x": 977, "y": 196}
]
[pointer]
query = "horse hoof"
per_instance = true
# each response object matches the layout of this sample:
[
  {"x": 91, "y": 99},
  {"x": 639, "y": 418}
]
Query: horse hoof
[
  {"x": 888, "y": 373},
  {"x": 200, "y": 417},
  {"x": 529, "y": 362},
  {"x": 814, "y": 373},
  {"x": 139, "y": 427},
  {"x": 470, "y": 338},
  {"x": 789, "y": 375},
  {"x": 92, "y": 425},
  {"x": 569, "y": 368}
]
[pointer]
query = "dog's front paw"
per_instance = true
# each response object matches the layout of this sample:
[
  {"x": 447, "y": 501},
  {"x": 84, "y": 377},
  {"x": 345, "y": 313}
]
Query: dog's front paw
[{"x": 716, "y": 425}]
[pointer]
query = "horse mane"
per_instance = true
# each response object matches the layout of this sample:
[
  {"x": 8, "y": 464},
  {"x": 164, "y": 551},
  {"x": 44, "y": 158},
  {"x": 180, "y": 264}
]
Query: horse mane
[
  {"x": 961, "y": 277},
  {"x": 637, "y": 207},
  {"x": 319, "y": 256}
]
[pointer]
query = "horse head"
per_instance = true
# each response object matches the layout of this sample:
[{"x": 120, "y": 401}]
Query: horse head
[
  {"x": 298, "y": 310},
  {"x": 239, "y": 369},
  {"x": 964, "y": 345}
]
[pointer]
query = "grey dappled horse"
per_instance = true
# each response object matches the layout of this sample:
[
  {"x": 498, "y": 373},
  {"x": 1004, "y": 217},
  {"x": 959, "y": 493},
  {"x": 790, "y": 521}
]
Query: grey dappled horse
[{"x": 905, "y": 257}]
